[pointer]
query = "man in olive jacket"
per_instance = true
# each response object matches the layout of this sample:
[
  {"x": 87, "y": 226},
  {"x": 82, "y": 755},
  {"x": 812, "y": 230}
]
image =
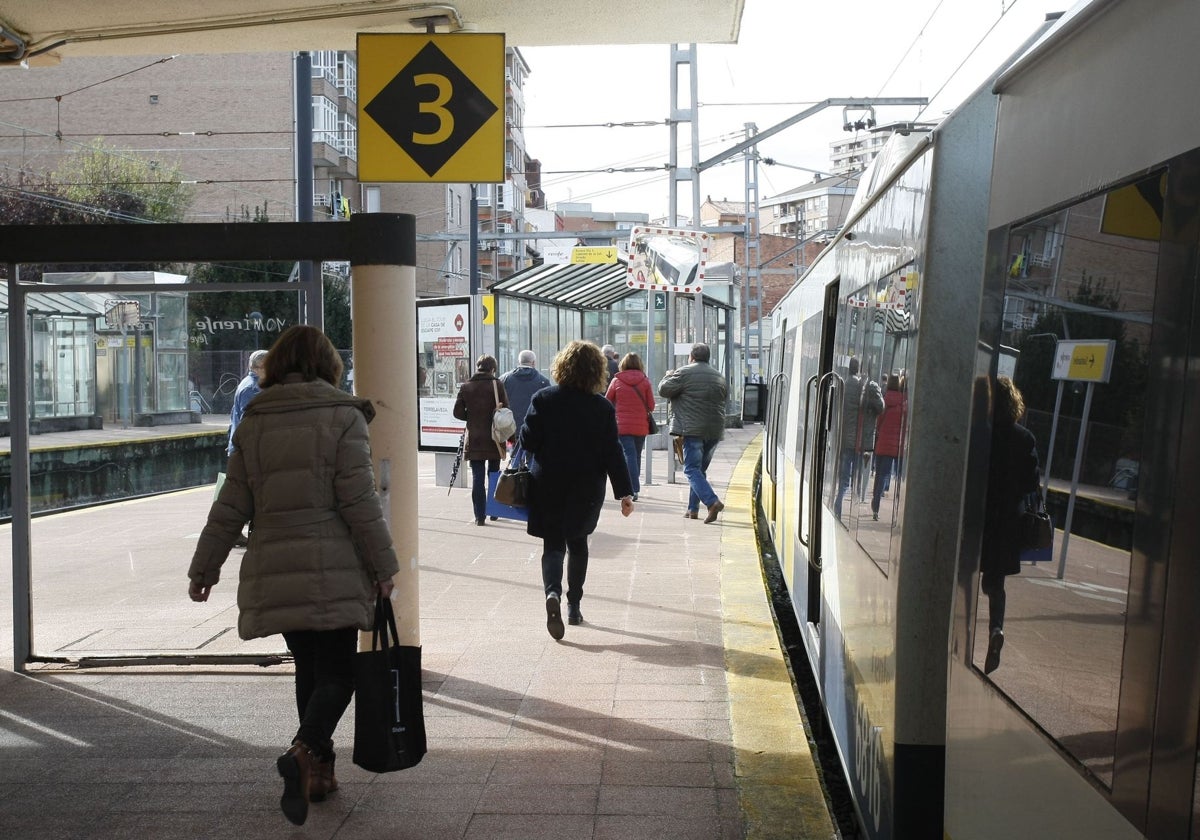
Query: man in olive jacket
[{"x": 697, "y": 392}]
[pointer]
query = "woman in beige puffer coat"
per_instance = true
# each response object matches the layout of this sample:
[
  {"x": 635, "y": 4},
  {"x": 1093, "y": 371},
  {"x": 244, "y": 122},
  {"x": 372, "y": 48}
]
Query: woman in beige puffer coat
[{"x": 319, "y": 549}]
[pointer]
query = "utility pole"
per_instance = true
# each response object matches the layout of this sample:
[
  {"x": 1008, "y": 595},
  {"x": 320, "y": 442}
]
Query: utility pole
[{"x": 752, "y": 315}]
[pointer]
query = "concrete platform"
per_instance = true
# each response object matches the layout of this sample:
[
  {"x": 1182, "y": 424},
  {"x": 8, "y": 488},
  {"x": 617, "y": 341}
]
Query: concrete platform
[{"x": 668, "y": 714}]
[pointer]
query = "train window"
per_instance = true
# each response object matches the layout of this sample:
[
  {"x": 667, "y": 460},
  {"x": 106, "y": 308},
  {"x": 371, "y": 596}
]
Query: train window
[
  {"x": 1050, "y": 626},
  {"x": 874, "y": 412}
]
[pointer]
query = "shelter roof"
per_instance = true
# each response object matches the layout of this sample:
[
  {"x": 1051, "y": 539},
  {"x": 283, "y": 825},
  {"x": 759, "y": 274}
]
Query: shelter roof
[{"x": 579, "y": 285}]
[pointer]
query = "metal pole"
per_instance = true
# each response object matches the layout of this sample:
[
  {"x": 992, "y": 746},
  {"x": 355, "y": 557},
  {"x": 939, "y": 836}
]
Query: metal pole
[
  {"x": 1053, "y": 435},
  {"x": 312, "y": 310},
  {"x": 1087, "y": 409},
  {"x": 128, "y": 376},
  {"x": 18, "y": 419},
  {"x": 649, "y": 355},
  {"x": 473, "y": 242}
]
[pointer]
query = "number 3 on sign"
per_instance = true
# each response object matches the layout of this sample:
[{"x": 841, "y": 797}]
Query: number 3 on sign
[{"x": 436, "y": 107}]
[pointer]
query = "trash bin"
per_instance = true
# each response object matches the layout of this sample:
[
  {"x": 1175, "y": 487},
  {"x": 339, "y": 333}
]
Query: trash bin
[{"x": 754, "y": 402}]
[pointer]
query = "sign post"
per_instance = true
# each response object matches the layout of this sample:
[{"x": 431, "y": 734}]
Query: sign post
[{"x": 1077, "y": 361}]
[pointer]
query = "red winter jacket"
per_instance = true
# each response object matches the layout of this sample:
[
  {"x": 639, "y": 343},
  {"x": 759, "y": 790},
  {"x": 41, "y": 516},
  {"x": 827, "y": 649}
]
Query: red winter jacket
[
  {"x": 889, "y": 432},
  {"x": 631, "y": 412}
]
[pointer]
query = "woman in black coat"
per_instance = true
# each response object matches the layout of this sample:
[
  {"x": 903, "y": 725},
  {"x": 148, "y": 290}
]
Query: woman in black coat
[
  {"x": 571, "y": 431},
  {"x": 1012, "y": 475},
  {"x": 476, "y": 403}
]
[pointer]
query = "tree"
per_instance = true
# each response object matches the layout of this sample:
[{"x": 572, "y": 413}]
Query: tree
[{"x": 97, "y": 184}]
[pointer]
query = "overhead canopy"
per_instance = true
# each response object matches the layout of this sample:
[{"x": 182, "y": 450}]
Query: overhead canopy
[
  {"x": 33, "y": 29},
  {"x": 581, "y": 285}
]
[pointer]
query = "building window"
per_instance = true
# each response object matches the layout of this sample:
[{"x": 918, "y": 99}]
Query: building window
[{"x": 325, "y": 121}]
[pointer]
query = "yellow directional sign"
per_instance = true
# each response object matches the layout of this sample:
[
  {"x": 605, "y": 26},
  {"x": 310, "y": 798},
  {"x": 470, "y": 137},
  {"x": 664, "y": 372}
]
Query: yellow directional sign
[
  {"x": 1083, "y": 361},
  {"x": 604, "y": 254},
  {"x": 431, "y": 108}
]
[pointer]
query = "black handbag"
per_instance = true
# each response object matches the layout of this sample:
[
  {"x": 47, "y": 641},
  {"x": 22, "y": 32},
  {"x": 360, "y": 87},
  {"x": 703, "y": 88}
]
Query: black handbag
[
  {"x": 1036, "y": 528},
  {"x": 512, "y": 486},
  {"x": 389, "y": 716}
]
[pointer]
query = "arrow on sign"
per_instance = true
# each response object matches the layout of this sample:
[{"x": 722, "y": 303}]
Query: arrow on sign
[{"x": 431, "y": 109}]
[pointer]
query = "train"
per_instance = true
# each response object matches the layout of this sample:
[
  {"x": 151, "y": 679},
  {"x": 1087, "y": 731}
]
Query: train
[{"x": 1048, "y": 231}]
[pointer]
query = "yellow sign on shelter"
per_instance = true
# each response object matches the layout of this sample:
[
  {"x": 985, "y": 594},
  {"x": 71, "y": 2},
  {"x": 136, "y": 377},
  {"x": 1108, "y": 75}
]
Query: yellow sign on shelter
[
  {"x": 431, "y": 108},
  {"x": 603, "y": 254}
]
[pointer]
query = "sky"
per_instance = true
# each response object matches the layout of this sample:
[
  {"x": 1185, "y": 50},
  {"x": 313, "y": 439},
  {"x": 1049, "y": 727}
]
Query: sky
[{"x": 790, "y": 54}]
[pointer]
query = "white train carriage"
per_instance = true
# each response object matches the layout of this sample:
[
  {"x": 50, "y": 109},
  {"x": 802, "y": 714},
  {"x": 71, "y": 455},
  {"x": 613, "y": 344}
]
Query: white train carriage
[{"x": 1059, "y": 207}]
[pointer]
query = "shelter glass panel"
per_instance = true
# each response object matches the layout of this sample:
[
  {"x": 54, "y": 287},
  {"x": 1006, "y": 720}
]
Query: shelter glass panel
[{"x": 109, "y": 580}]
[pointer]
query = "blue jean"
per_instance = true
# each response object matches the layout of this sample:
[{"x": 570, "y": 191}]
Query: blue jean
[
  {"x": 633, "y": 445},
  {"x": 846, "y": 467},
  {"x": 479, "y": 471},
  {"x": 575, "y": 550},
  {"x": 883, "y": 474},
  {"x": 697, "y": 455}
]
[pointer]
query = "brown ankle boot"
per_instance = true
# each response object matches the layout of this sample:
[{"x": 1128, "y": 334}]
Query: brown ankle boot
[
  {"x": 323, "y": 780},
  {"x": 296, "y": 766}
]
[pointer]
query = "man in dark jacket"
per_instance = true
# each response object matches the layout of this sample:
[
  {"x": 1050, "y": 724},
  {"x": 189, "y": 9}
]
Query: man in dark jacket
[
  {"x": 521, "y": 383},
  {"x": 612, "y": 360},
  {"x": 697, "y": 392}
]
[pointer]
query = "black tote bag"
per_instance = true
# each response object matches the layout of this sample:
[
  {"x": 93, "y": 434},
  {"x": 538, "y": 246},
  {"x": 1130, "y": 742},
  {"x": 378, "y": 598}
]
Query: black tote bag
[{"x": 389, "y": 717}]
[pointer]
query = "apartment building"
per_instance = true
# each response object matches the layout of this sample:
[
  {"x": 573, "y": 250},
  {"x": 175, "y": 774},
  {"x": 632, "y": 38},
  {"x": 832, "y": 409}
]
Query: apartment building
[
  {"x": 808, "y": 210},
  {"x": 850, "y": 156}
]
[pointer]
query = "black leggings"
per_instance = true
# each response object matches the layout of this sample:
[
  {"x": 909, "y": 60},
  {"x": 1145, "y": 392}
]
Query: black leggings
[
  {"x": 992, "y": 585},
  {"x": 324, "y": 682},
  {"x": 575, "y": 550}
]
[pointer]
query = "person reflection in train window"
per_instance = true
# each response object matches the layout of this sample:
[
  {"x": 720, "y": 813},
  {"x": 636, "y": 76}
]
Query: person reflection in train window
[
  {"x": 862, "y": 403},
  {"x": 1012, "y": 474},
  {"x": 889, "y": 435}
]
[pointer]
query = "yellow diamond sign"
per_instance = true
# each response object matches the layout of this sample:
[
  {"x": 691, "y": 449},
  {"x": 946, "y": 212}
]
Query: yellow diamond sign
[{"x": 431, "y": 108}]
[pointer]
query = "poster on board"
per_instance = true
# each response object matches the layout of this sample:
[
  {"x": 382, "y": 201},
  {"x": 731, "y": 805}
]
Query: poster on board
[{"x": 443, "y": 363}]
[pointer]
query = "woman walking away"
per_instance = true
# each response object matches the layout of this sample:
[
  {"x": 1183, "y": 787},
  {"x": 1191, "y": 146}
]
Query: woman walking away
[
  {"x": 889, "y": 438},
  {"x": 571, "y": 431},
  {"x": 320, "y": 550},
  {"x": 478, "y": 399},
  {"x": 632, "y": 396},
  {"x": 1012, "y": 474}
]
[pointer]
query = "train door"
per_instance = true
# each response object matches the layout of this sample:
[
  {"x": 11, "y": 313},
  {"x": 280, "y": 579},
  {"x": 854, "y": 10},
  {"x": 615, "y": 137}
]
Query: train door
[
  {"x": 816, "y": 373},
  {"x": 772, "y": 442},
  {"x": 1099, "y": 647}
]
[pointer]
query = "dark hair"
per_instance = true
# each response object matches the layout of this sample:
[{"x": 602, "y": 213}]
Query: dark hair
[
  {"x": 893, "y": 382},
  {"x": 303, "y": 350},
  {"x": 853, "y": 366},
  {"x": 632, "y": 361},
  {"x": 582, "y": 366},
  {"x": 486, "y": 364},
  {"x": 700, "y": 353}
]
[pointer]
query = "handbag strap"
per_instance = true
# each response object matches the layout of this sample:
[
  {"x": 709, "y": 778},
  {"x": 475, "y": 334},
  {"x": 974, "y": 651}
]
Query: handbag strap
[
  {"x": 638, "y": 392},
  {"x": 517, "y": 459},
  {"x": 496, "y": 393},
  {"x": 385, "y": 622}
]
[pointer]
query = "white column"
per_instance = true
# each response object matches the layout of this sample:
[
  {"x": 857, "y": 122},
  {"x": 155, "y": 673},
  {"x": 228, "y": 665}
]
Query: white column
[{"x": 385, "y": 372}]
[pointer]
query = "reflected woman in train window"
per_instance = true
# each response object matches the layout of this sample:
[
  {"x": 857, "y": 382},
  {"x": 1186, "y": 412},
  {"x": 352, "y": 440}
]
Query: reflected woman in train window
[
  {"x": 1012, "y": 474},
  {"x": 889, "y": 437}
]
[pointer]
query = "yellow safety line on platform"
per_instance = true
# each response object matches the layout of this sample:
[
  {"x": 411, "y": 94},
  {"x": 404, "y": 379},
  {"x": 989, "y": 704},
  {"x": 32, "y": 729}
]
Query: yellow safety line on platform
[{"x": 778, "y": 786}]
